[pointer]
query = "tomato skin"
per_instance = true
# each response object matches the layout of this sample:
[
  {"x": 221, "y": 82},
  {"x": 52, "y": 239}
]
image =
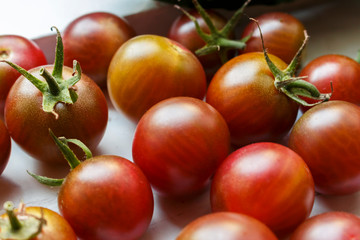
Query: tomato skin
[
  {"x": 147, "y": 69},
  {"x": 283, "y": 35},
  {"x": 5, "y": 146},
  {"x": 183, "y": 31},
  {"x": 267, "y": 181},
  {"x": 243, "y": 92},
  {"x": 23, "y": 52},
  {"x": 28, "y": 124},
  {"x": 179, "y": 143},
  {"x": 327, "y": 138},
  {"x": 55, "y": 228},
  {"x": 92, "y": 40},
  {"x": 215, "y": 226},
  {"x": 340, "y": 71},
  {"x": 329, "y": 226},
  {"x": 107, "y": 197}
]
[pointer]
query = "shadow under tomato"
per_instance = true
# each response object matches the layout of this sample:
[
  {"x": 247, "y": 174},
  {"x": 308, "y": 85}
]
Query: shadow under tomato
[
  {"x": 9, "y": 190},
  {"x": 346, "y": 203}
]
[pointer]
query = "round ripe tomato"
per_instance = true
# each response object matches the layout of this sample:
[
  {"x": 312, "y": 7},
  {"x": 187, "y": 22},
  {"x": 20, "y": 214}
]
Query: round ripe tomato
[
  {"x": 243, "y": 91},
  {"x": 147, "y": 69},
  {"x": 179, "y": 143},
  {"x": 93, "y": 39},
  {"x": 28, "y": 124},
  {"x": 107, "y": 197},
  {"x": 267, "y": 181},
  {"x": 327, "y": 138},
  {"x": 183, "y": 31},
  {"x": 45, "y": 224},
  {"x": 342, "y": 72},
  {"x": 226, "y": 225},
  {"x": 283, "y": 35},
  {"x": 21, "y": 51},
  {"x": 329, "y": 226},
  {"x": 5, "y": 146}
]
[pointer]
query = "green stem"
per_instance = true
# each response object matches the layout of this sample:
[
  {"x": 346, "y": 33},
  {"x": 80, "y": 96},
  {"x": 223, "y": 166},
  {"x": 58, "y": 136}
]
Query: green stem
[
  {"x": 59, "y": 55},
  {"x": 54, "y": 182},
  {"x": 54, "y": 87},
  {"x": 231, "y": 24},
  {"x": 14, "y": 221},
  {"x": 206, "y": 17}
]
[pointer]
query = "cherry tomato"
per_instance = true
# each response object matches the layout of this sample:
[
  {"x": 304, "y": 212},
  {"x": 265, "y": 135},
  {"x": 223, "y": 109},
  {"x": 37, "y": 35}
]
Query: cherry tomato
[
  {"x": 327, "y": 138},
  {"x": 5, "y": 146},
  {"x": 147, "y": 69},
  {"x": 93, "y": 39},
  {"x": 28, "y": 123},
  {"x": 329, "y": 226},
  {"x": 243, "y": 92},
  {"x": 226, "y": 225},
  {"x": 107, "y": 197},
  {"x": 179, "y": 143},
  {"x": 267, "y": 181},
  {"x": 43, "y": 224},
  {"x": 21, "y": 51},
  {"x": 342, "y": 72},
  {"x": 283, "y": 35},
  {"x": 183, "y": 31}
]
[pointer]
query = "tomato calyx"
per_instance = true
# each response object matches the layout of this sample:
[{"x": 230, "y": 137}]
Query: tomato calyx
[
  {"x": 218, "y": 40},
  {"x": 55, "y": 89},
  {"x": 20, "y": 225},
  {"x": 286, "y": 81},
  {"x": 68, "y": 154}
]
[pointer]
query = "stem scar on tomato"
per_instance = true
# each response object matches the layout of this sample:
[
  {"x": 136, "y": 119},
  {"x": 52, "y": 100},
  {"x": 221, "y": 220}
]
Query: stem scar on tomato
[
  {"x": 218, "y": 40},
  {"x": 286, "y": 81},
  {"x": 55, "y": 89}
]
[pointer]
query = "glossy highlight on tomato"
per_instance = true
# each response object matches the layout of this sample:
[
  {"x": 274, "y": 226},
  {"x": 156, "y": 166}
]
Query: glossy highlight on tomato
[
  {"x": 267, "y": 181},
  {"x": 283, "y": 35},
  {"x": 327, "y": 138},
  {"x": 149, "y": 68},
  {"x": 92, "y": 39},
  {"x": 179, "y": 143},
  {"x": 243, "y": 91},
  {"x": 226, "y": 225}
]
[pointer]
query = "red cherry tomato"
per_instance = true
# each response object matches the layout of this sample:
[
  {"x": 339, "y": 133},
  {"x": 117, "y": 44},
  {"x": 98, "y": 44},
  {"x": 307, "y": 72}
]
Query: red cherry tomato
[
  {"x": 243, "y": 92},
  {"x": 21, "y": 51},
  {"x": 267, "y": 181},
  {"x": 107, "y": 197},
  {"x": 283, "y": 35},
  {"x": 147, "y": 69},
  {"x": 179, "y": 143},
  {"x": 327, "y": 138},
  {"x": 5, "y": 146},
  {"x": 28, "y": 124},
  {"x": 226, "y": 225},
  {"x": 93, "y": 39},
  {"x": 183, "y": 31},
  {"x": 329, "y": 226},
  {"x": 342, "y": 72},
  {"x": 49, "y": 225}
]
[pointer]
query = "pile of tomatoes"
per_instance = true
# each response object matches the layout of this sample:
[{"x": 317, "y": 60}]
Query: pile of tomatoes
[{"x": 263, "y": 132}]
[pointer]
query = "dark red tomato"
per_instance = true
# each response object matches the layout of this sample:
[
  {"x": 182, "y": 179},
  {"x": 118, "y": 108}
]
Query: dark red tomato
[
  {"x": 267, "y": 181},
  {"x": 179, "y": 143},
  {"x": 327, "y": 138},
  {"x": 93, "y": 39},
  {"x": 340, "y": 71},
  {"x": 21, "y": 51},
  {"x": 283, "y": 35},
  {"x": 329, "y": 226},
  {"x": 45, "y": 224},
  {"x": 107, "y": 197},
  {"x": 147, "y": 69},
  {"x": 243, "y": 92},
  {"x": 183, "y": 31},
  {"x": 28, "y": 124},
  {"x": 226, "y": 225},
  {"x": 5, "y": 146}
]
